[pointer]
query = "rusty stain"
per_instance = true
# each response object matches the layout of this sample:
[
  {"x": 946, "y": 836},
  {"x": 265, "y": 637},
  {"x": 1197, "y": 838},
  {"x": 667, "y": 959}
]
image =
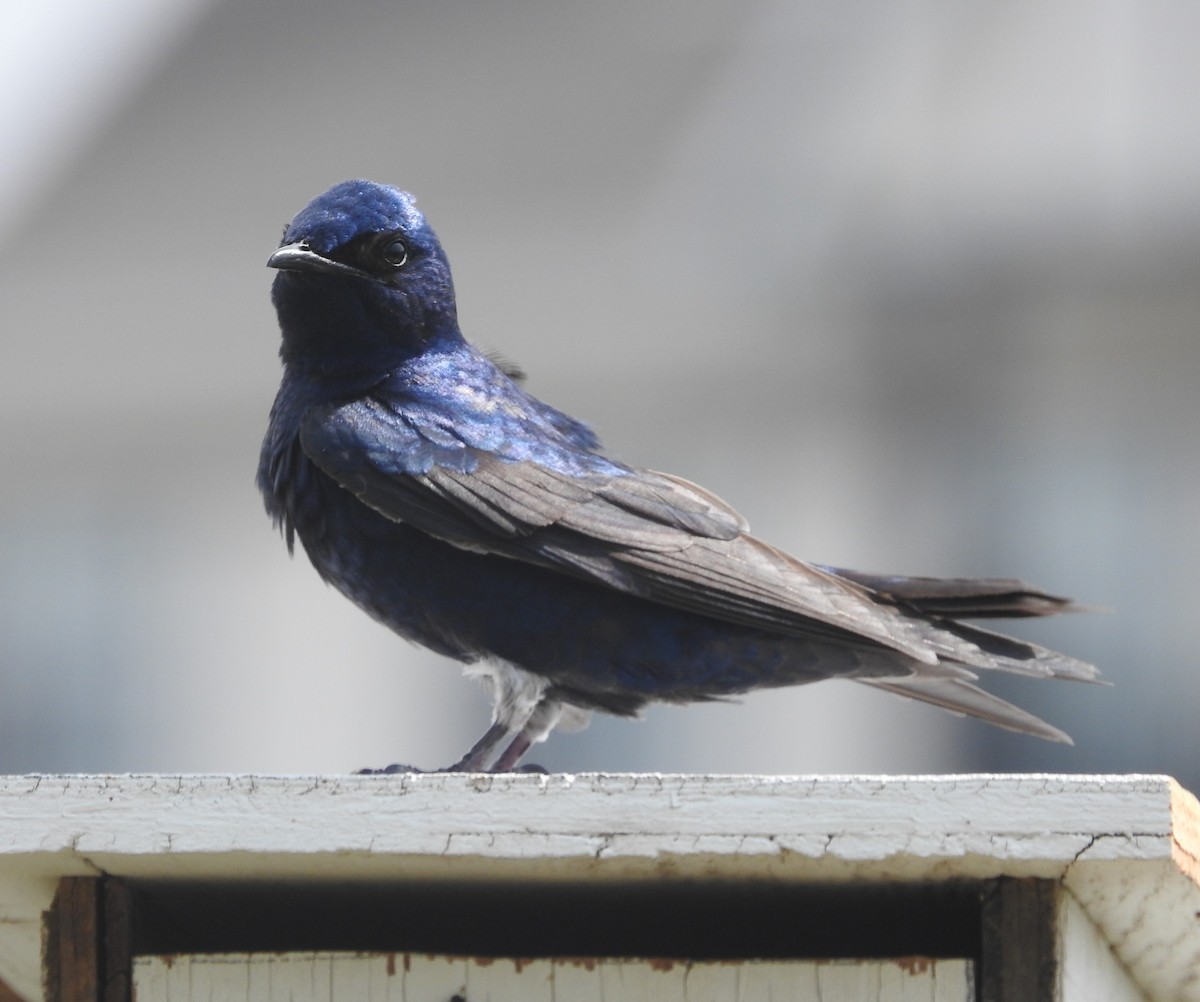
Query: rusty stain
[
  {"x": 407, "y": 962},
  {"x": 391, "y": 965},
  {"x": 484, "y": 961},
  {"x": 663, "y": 963},
  {"x": 913, "y": 965}
]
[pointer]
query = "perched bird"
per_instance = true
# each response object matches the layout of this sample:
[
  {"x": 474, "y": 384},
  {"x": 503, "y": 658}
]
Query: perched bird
[{"x": 438, "y": 495}]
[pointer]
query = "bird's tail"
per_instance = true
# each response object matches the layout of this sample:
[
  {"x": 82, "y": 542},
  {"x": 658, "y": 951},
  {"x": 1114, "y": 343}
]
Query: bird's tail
[
  {"x": 963, "y": 598},
  {"x": 944, "y": 601},
  {"x": 962, "y": 698}
]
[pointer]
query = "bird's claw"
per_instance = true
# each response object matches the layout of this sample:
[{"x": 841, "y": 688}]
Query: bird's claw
[
  {"x": 389, "y": 770},
  {"x": 397, "y": 767}
]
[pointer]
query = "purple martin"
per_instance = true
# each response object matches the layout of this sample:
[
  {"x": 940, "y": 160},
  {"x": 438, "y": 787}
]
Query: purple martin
[{"x": 434, "y": 492}]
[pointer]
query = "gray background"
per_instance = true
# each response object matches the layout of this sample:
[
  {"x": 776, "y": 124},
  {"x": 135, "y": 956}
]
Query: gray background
[{"x": 913, "y": 285}]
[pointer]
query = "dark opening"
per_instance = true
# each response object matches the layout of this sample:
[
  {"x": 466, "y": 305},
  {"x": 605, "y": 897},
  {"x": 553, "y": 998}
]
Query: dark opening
[{"x": 684, "y": 919}]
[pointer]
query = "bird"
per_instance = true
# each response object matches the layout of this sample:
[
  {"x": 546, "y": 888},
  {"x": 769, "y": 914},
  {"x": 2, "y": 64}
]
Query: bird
[{"x": 427, "y": 485}]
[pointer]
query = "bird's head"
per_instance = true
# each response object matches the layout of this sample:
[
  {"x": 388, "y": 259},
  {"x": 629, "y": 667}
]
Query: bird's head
[{"x": 363, "y": 282}]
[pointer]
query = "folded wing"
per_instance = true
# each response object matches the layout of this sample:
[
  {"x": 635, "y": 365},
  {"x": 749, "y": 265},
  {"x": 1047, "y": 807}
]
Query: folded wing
[{"x": 667, "y": 540}]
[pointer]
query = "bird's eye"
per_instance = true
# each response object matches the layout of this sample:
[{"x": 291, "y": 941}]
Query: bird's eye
[{"x": 394, "y": 253}]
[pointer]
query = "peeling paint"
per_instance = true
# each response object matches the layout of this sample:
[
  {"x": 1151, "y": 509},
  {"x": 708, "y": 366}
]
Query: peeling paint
[{"x": 913, "y": 965}]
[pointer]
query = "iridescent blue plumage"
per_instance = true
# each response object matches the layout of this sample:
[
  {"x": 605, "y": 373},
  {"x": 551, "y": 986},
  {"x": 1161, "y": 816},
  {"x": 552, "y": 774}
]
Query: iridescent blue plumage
[{"x": 432, "y": 490}]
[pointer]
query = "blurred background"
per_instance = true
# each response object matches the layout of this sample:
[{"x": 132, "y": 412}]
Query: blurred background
[{"x": 913, "y": 285}]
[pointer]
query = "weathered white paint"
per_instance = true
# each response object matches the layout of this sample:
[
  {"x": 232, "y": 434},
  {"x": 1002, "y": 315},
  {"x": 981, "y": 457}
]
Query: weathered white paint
[
  {"x": 332, "y": 977},
  {"x": 1128, "y": 847},
  {"x": 884, "y": 825}
]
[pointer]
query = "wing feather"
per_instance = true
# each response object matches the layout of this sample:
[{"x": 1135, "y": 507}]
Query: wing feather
[{"x": 642, "y": 532}]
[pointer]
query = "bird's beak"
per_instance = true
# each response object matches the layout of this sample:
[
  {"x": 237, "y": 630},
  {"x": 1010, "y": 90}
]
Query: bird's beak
[{"x": 300, "y": 257}]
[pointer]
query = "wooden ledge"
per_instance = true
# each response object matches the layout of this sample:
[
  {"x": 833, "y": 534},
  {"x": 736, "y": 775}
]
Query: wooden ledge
[{"x": 1127, "y": 847}]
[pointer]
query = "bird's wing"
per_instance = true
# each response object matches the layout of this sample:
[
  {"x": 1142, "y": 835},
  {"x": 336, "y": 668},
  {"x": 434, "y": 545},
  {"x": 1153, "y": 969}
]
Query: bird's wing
[{"x": 637, "y": 531}]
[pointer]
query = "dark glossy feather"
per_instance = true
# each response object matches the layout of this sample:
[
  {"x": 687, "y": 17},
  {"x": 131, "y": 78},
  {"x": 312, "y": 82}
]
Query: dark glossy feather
[{"x": 654, "y": 536}]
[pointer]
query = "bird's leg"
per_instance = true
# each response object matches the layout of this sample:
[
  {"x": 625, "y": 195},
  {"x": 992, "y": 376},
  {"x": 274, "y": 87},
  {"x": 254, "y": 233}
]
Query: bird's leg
[
  {"x": 532, "y": 718},
  {"x": 473, "y": 761},
  {"x": 513, "y": 754},
  {"x": 537, "y": 728},
  {"x": 476, "y": 759},
  {"x": 518, "y": 704}
]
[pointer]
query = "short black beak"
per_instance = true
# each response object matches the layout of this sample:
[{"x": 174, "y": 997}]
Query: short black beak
[{"x": 300, "y": 257}]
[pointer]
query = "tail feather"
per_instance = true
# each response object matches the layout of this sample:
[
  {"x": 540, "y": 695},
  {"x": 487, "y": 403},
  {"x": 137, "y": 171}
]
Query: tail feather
[
  {"x": 942, "y": 602},
  {"x": 1019, "y": 657},
  {"x": 963, "y": 598},
  {"x": 963, "y": 698}
]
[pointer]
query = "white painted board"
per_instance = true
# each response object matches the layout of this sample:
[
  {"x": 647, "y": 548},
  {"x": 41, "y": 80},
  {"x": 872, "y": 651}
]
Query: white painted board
[
  {"x": 393, "y": 977},
  {"x": 1126, "y": 847}
]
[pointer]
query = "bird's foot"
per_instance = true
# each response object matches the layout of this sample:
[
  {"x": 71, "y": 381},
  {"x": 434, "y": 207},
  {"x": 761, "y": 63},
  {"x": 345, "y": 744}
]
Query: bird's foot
[
  {"x": 529, "y": 768},
  {"x": 389, "y": 770},
  {"x": 476, "y": 760}
]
